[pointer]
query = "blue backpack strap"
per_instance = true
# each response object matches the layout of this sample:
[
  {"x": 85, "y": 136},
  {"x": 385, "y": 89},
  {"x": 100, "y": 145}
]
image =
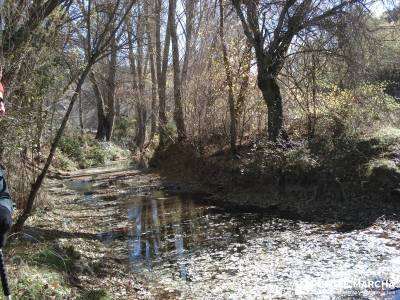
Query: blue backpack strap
[{"x": 5, "y": 198}]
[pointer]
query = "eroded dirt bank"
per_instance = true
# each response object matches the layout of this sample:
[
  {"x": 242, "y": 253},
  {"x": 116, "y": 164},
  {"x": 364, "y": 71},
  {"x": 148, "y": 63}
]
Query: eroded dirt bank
[{"x": 352, "y": 186}]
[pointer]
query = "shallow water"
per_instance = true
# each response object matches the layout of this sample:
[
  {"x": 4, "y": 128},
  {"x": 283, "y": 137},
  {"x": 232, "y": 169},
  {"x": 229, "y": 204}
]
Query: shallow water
[{"x": 205, "y": 252}]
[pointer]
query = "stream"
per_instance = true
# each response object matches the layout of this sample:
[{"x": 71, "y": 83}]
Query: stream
[{"x": 201, "y": 251}]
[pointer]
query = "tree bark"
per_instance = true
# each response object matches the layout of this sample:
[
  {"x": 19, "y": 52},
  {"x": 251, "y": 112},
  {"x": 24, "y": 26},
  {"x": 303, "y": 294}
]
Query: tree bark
[
  {"x": 141, "y": 104},
  {"x": 80, "y": 114},
  {"x": 190, "y": 4},
  {"x": 229, "y": 81},
  {"x": 101, "y": 114},
  {"x": 267, "y": 83},
  {"x": 161, "y": 65},
  {"x": 111, "y": 87},
  {"x": 138, "y": 84},
  {"x": 178, "y": 111},
  {"x": 150, "y": 49}
]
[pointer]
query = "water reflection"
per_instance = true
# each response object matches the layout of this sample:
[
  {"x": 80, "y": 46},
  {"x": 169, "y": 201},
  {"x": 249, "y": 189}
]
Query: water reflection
[
  {"x": 247, "y": 255},
  {"x": 162, "y": 228},
  {"x": 209, "y": 253}
]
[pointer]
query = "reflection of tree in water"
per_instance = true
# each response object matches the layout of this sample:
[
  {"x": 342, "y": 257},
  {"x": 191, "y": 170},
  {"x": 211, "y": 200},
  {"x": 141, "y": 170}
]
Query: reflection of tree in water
[
  {"x": 135, "y": 234},
  {"x": 163, "y": 230}
]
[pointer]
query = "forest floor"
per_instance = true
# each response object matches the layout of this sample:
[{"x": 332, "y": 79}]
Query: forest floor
[{"x": 61, "y": 254}]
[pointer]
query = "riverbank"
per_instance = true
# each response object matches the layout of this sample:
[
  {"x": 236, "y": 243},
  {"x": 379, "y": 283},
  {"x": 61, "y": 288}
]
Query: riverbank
[
  {"x": 62, "y": 254},
  {"x": 354, "y": 182},
  {"x": 119, "y": 233}
]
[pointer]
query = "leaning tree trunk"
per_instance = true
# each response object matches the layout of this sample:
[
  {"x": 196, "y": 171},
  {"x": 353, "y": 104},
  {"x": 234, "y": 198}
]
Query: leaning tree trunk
[
  {"x": 39, "y": 180},
  {"x": 81, "y": 114}
]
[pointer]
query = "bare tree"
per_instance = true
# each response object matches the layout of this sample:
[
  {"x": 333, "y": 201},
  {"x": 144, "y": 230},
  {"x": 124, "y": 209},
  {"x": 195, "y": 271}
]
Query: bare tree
[
  {"x": 178, "y": 111},
  {"x": 150, "y": 48},
  {"x": 137, "y": 73},
  {"x": 111, "y": 87},
  {"x": 189, "y": 21},
  {"x": 161, "y": 67},
  {"x": 229, "y": 80},
  {"x": 271, "y": 27}
]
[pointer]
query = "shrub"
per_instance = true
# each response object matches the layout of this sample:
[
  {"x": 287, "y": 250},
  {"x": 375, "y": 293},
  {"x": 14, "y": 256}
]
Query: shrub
[
  {"x": 71, "y": 146},
  {"x": 269, "y": 160},
  {"x": 63, "y": 162},
  {"x": 96, "y": 155},
  {"x": 84, "y": 151},
  {"x": 50, "y": 258},
  {"x": 124, "y": 130},
  {"x": 363, "y": 109}
]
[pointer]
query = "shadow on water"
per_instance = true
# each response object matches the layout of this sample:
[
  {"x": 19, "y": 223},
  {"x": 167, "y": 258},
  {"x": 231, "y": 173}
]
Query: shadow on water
[{"x": 207, "y": 252}]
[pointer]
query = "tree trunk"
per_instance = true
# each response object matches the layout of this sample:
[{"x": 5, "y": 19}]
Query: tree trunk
[
  {"x": 140, "y": 103},
  {"x": 189, "y": 10},
  {"x": 111, "y": 87},
  {"x": 269, "y": 87},
  {"x": 141, "y": 125},
  {"x": 40, "y": 122},
  {"x": 153, "y": 96},
  {"x": 137, "y": 84},
  {"x": 80, "y": 114},
  {"x": 178, "y": 111},
  {"x": 150, "y": 49},
  {"x": 161, "y": 65},
  {"x": 101, "y": 115},
  {"x": 229, "y": 81}
]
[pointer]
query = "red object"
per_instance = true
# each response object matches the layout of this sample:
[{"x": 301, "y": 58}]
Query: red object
[{"x": 1, "y": 88}]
